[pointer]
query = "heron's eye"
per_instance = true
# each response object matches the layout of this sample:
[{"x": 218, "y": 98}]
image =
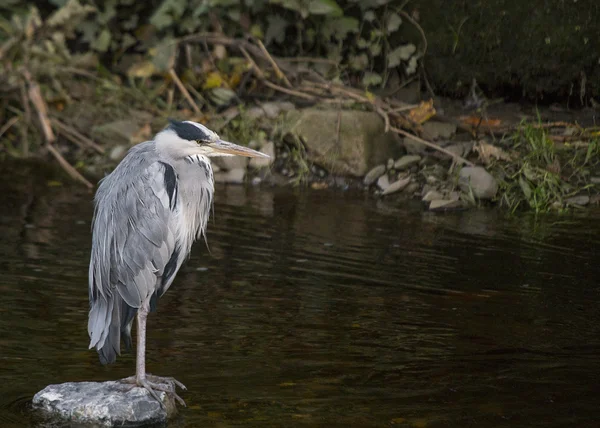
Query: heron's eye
[{"x": 201, "y": 142}]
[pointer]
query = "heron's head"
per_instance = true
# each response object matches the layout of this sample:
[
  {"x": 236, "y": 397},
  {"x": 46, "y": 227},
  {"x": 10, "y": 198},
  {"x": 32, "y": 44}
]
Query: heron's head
[{"x": 181, "y": 139}]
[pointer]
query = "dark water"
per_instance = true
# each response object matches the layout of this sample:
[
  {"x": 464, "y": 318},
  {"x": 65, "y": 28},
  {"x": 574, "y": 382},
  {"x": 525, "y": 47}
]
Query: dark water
[{"x": 323, "y": 309}]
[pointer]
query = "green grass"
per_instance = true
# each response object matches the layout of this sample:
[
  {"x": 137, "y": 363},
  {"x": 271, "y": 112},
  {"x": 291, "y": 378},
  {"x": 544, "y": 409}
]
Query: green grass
[{"x": 545, "y": 174}]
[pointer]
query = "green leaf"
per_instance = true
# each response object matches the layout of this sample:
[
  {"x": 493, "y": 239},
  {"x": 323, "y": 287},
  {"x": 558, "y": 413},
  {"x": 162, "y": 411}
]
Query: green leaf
[
  {"x": 341, "y": 27},
  {"x": 275, "y": 29},
  {"x": 375, "y": 49},
  {"x": 102, "y": 42},
  {"x": 163, "y": 55},
  {"x": 359, "y": 62},
  {"x": 525, "y": 187},
  {"x": 369, "y": 16},
  {"x": 167, "y": 13},
  {"x": 324, "y": 7},
  {"x": 393, "y": 22},
  {"x": 401, "y": 53},
  {"x": 371, "y": 79}
]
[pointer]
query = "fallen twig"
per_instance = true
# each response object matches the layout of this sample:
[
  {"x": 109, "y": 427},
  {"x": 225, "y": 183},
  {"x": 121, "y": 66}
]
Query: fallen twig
[
  {"x": 184, "y": 91},
  {"x": 68, "y": 168},
  {"x": 35, "y": 95},
  {"x": 10, "y": 122},
  {"x": 278, "y": 71},
  {"x": 76, "y": 137},
  {"x": 431, "y": 145}
]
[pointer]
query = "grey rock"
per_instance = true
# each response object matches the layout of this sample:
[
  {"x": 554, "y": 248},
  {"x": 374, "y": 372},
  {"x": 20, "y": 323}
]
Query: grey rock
[
  {"x": 103, "y": 403},
  {"x": 432, "y": 195},
  {"x": 437, "y": 130},
  {"x": 228, "y": 163},
  {"x": 120, "y": 130},
  {"x": 445, "y": 205},
  {"x": 397, "y": 186},
  {"x": 383, "y": 182},
  {"x": 374, "y": 174},
  {"x": 362, "y": 141},
  {"x": 413, "y": 147},
  {"x": 595, "y": 180},
  {"x": 479, "y": 181},
  {"x": 390, "y": 163},
  {"x": 267, "y": 149},
  {"x": 406, "y": 162},
  {"x": 234, "y": 176},
  {"x": 581, "y": 200},
  {"x": 412, "y": 188},
  {"x": 118, "y": 152}
]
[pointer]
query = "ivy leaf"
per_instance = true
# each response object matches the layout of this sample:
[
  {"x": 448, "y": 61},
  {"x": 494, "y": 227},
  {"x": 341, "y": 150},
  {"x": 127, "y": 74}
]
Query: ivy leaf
[
  {"x": 102, "y": 42},
  {"x": 324, "y": 7},
  {"x": 341, "y": 27},
  {"x": 369, "y": 16},
  {"x": 163, "y": 55},
  {"x": 393, "y": 22},
  {"x": 359, "y": 62},
  {"x": 371, "y": 79},
  {"x": 375, "y": 49},
  {"x": 275, "y": 29},
  {"x": 167, "y": 13},
  {"x": 401, "y": 53}
]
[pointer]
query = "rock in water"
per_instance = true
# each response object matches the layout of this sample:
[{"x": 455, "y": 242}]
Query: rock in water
[
  {"x": 479, "y": 181},
  {"x": 104, "y": 403}
]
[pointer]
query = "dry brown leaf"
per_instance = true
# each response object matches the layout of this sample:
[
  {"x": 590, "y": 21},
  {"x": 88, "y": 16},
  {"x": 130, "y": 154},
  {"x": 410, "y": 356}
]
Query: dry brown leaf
[
  {"x": 488, "y": 151},
  {"x": 423, "y": 112},
  {"x": 478, "y": 121}
]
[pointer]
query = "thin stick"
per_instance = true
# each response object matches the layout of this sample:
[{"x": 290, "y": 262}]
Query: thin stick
[
  {"x": 10, "y": 122},
  {"x": 35, "y": 95},
  {"x": 253, "y": 65},
  {"x": 27, "y": 121},
  {"x": 184, "y": 91},
  {"x": 456, "y": 157},
  {"x": 68, "y": 168},
  {"x": 288, "y": 91},
  {"x": 76, "y": 137},
  {"x": 278, "y": 71}
]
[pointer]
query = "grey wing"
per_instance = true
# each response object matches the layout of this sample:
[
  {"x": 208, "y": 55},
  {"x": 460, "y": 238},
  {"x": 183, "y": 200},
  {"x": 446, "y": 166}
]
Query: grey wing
[{"x": 134, "y": 247}]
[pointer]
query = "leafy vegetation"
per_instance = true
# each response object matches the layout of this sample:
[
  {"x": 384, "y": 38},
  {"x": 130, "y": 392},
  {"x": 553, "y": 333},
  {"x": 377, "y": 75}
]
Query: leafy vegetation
[{"x": 543, "y": 175}]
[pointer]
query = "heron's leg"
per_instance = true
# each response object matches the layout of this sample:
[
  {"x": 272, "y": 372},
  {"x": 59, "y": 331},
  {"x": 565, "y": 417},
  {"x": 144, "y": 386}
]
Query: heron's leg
[
  {"x": 140, "y": 362},
  {"x": 144, "y": 380}
]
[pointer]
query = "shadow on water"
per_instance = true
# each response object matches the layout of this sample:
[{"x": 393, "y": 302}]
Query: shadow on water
[{"x": 320, "y": 308}]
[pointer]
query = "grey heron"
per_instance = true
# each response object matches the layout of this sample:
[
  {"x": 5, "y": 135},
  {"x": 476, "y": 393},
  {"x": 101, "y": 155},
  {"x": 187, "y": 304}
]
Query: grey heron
[{"x": 148, "y": 212}]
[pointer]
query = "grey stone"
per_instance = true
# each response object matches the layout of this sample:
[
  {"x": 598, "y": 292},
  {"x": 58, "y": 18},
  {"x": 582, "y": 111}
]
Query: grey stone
[
  {"x": 413, "y": 147},
  {"x": 432, "y": 195},
  {"x": 445, "y": 205},
  {"x": 406, "y": 162},
  {"x": 595, "y": 180},
  {"x": 228, "y": 163},
  {"x": 437, "y": 130},
  {"x": 361, "y": 143},
  {"x": 412, "y": 188},
  {"x": 104, "y": 403},
  {"x": 120, "y": 130},
  {"x": 383, "y": 182},
  {"x": 581, "y": 200},
  {"x": 390, "y": 163},
  {"x": 397, "y": 186},
  {"x": 374, "y": 174},
  {"x": 267, "y": 149},
  {"x": 118, "y": 152},
  {"x": 234, "y": 176},
  {"x": 479, "y": 181}
]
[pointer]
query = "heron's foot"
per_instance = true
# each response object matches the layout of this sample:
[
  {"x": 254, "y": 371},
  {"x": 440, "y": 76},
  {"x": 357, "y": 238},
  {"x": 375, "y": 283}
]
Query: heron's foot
[{"x": 157, "y": 383}]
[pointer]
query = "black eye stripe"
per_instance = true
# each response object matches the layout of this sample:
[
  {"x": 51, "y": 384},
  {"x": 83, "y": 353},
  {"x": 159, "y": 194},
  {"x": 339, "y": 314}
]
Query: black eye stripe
[{"x": 187, "y": 131}]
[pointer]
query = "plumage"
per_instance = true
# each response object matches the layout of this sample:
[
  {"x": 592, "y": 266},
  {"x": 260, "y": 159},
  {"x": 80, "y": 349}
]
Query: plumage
[{"x": 148, "y": 212}]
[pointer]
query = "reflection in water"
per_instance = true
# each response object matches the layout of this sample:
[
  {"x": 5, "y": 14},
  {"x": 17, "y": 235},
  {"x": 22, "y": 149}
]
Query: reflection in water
[{"x": 321, "y": 308}]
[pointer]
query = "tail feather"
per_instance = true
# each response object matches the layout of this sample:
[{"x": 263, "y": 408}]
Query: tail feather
[{"x": 108, "y": 319}]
